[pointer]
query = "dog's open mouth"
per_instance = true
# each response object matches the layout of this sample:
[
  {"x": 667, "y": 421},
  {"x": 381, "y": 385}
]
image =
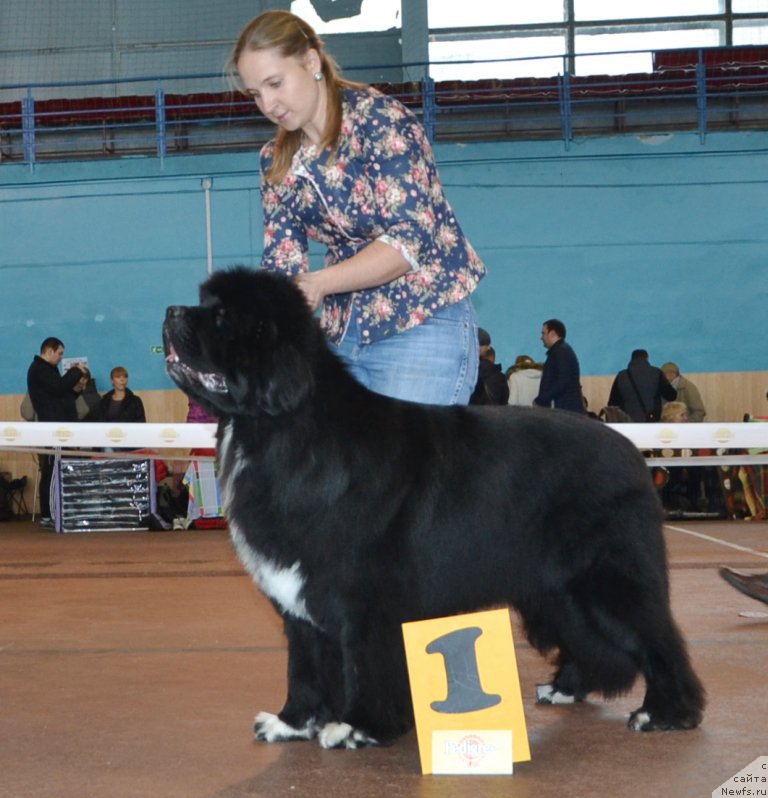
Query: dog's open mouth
[{"x": 211, "y": 381}]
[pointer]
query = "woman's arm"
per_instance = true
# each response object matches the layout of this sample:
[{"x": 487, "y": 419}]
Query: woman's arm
[
  {"x": 401, "y": 176},
  {"x": 375, "y": 265}
]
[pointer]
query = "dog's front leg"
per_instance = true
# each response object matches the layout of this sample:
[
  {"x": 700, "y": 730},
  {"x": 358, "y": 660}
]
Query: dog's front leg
[
  {"x": 377, "y": 699},
  {"x": 348, "y": 729},
  {"x": 310, "y": 703}
]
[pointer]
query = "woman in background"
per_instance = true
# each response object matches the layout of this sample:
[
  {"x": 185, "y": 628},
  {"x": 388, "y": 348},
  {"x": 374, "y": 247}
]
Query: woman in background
[{"x": 121, "y": 403}]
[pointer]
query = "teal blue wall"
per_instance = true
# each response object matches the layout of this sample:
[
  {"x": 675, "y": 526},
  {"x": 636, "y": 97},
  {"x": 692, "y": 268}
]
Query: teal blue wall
[{"x": 659, "y": 243}]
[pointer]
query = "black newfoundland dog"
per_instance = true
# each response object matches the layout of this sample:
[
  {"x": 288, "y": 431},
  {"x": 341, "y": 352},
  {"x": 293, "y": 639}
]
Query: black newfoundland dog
[{"x": 355, "y": 512}]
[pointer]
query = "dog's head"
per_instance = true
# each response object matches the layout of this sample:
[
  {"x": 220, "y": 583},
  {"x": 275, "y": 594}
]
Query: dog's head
[{"x": 247, "y": 348}]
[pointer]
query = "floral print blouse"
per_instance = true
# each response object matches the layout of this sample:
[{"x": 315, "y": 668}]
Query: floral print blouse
[{"x": 381, "y": 185}]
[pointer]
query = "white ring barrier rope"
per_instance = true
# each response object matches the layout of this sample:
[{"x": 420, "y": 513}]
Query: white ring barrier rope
[
  {"x": 59, "y": 435},
  {"x": 718, "y": 437}
]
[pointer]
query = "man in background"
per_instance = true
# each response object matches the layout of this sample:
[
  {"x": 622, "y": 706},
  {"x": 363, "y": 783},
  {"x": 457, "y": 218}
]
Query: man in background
[
  {"x": 491, "y": 387},
  {"x": 687, "y": 392},
  {"x": 53, "y": 399},
  {"x": 639, "y": 389},
  {"x": 560, "y": 384}
]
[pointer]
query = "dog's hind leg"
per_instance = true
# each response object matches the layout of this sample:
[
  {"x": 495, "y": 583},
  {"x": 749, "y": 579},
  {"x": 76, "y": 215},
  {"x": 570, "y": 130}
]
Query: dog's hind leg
[
  {"x": 566, "y": 687},
  {"x": 674, "y": 697},
  {"x": 313, "y": 660},
  {"x": 633, "y": 633},
  {"x": 609, "y": 637},
  {"x": 588, "y": 660}
]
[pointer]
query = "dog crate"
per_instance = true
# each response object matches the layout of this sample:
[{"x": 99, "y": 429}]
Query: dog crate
[{"x": 103, "y": 494}]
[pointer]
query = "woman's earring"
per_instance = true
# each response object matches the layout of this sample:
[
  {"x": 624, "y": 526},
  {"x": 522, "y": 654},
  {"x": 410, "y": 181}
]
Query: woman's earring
[{"x": 318, "y": 76}]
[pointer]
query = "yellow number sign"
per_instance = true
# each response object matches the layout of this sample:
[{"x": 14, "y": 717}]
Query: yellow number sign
[{"x": 466, "y": 693}]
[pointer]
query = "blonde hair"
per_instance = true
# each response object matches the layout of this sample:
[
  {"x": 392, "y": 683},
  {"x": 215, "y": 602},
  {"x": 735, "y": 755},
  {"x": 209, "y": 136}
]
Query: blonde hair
[
  {"x": 118, "y": 371},
  {"x": 672, "y": 409},
  {"x": 292, "y": 37}
]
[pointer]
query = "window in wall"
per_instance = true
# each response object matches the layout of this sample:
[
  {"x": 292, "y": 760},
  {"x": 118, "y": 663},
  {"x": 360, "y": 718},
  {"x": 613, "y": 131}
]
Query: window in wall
[
  {"x": 750, "y": 32},
  {"x": 348, "y": 16},
  {"x": 749, "y": 6},
  {"x": 613, "y": 63},
  {"x": 513, "y": 38},
  {"x": 643, "y": 9},
  {"x": 497, "y": 58},
  {"x": 452, "y": 14}
]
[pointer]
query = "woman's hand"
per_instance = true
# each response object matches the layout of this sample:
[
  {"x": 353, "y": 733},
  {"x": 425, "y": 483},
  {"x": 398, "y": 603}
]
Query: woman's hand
[
  {"x": 375, "y": 265},
  {"x": 310, "y": 285}
]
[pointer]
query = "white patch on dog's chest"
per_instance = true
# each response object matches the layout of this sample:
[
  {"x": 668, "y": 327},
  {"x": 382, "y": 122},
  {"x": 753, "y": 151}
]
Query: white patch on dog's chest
[{"x": 283, "y": 585}]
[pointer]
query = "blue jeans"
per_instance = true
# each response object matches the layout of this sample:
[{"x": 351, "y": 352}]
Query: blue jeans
[{"x": 432, "y": 363}]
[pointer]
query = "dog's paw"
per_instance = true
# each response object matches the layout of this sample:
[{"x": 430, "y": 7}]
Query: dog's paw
[
  {"x": 270, "y": 729},
  {"x": 549, "y": 694},
  {"x": 342, "y": 735},
  {"x": 643, "y": 721},
  {"x": 640, "y": 720}
]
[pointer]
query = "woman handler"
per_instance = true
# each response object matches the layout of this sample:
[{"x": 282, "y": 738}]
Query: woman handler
[{"x": 352, "y": 169}]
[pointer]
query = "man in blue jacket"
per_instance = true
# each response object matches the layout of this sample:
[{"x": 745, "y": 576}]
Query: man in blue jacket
[{"x": 561, "y": 379}]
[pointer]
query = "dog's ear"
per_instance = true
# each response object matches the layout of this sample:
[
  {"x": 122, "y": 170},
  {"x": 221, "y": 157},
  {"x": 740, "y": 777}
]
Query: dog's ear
[{"x": 290, "y": 382}]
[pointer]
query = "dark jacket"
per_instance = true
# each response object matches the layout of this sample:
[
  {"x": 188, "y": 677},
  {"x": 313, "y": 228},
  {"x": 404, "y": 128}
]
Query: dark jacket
[
  {"x": 492, "y": 387},
  {"x": 131, "y": 409},
  {"x": 91, "y": 397},
  {"x": 644, "y": 397},
  {"x": 561, "y": 379},
  {"x": 52, "y": 394}
]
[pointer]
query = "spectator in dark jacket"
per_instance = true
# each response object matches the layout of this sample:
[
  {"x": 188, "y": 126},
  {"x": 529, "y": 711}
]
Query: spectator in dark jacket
[
  {"x": 639, "y": 389},
  {"x": 492, "y": 387},
  {"x": 120, "y": 404},
  {"x": 53, "y": 399},
  {"x": 561, "y": 379},
  {"x": 53, "y": 395}
]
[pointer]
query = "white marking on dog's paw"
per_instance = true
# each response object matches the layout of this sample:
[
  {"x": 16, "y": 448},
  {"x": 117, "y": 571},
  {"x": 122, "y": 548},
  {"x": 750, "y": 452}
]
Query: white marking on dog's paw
[
  {"x": 543, "y": 693},
  {"x": 270, "y": 729},
  {"x": 639, "y": 721},
  {"x": 546, "y": 694},
  {"x": 342, "y": 735}
]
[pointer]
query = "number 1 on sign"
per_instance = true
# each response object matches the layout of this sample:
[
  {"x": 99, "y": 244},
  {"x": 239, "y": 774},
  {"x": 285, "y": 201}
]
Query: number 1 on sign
[{"x": 465, "y": 693}]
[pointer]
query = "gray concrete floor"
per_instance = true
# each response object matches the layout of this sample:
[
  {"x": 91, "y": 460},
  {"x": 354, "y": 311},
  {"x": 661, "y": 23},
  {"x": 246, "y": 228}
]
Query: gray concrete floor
[{"x": 132, "y": 664}]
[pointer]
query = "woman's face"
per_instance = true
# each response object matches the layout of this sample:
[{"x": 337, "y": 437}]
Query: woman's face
[
  {"x": 120, "y": 381},
  {"x": 284, "y": 89}
]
